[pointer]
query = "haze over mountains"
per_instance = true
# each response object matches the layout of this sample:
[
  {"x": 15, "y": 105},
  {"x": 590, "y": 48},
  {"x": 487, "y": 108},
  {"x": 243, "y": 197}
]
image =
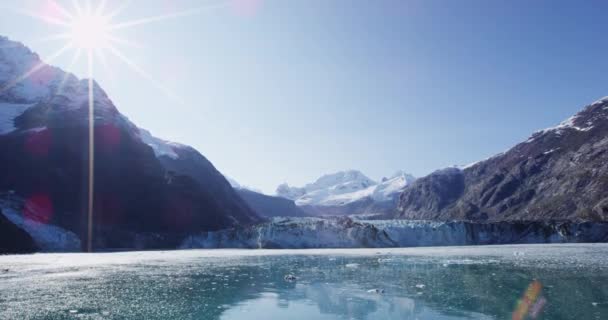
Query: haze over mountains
[{"x": 150, "y": 193}]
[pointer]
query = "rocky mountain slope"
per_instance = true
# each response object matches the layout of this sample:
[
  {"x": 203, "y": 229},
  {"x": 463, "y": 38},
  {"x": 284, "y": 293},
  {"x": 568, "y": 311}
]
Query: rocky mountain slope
[
  {"x": 348, "y": 192},
  {"x": 265, "y": 205},
  {"x": 559, "y": 173},
  {"x": 142, "y": 184}
]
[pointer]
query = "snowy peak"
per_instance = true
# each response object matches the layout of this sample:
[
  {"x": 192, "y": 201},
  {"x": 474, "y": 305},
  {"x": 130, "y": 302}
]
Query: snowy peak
[
  {"x": 389, "y": 188},
  {"x": 291, "y": 193},
  {"x": 342, "y": 181},
  {"x": 338, "y": 183},
  {"x": 346, "y": 187},
  {"x": 25, "y": 78},
  {"x": 583, "y": 121}
]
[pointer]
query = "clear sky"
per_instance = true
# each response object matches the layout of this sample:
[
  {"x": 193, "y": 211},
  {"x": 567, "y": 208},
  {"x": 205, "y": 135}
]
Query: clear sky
[{"x": 276, "y": 91}]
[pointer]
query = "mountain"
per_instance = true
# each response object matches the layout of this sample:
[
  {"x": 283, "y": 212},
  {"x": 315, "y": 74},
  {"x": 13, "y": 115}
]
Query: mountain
[
  {"x": 265, "y": 205},
  {"x": 347, "y": 192},
  {"x": 270, "y": 206},
  {"x": 559, "y": 173},
  {"x": 148, "y": 192}
]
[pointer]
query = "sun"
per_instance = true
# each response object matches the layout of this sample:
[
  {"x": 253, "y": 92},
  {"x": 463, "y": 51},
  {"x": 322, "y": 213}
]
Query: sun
[{"x": 90, "y": 31}]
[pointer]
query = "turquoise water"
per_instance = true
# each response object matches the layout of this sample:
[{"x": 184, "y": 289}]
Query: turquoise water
[{"x": 415, "y": 283}]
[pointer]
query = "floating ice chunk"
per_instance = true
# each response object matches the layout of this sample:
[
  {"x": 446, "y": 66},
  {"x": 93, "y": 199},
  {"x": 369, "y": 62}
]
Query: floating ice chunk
[
  {"x": 352, "y": 265},
  {"x": 376, "y": 291},
  {"x": 290, "y": 278},
  {"x": 420, "y": 286}
]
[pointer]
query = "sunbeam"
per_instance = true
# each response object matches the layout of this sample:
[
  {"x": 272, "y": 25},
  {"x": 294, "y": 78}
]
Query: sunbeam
[
  {"x": 91, "y": 154},
  {"x": 169, "y": 16},
  {"x": 66, "y": 75},
  {"x": 128, "y": 43},
  {"x": 77, "y": 7},
  {"x": 101, "y": 56},
  {"x": 101, "y": 7},
  {"x": 143, "y": 74},
  {"x": 61, "y": 9},
  {"x": 43, "y": 18},
  {"x": 125, "y": 4},
  {"x": 55, "y": 37},
  {"x": 35, "y": 68}
]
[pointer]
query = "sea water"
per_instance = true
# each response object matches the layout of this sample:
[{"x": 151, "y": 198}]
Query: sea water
[{"x": 486, "y": 282}]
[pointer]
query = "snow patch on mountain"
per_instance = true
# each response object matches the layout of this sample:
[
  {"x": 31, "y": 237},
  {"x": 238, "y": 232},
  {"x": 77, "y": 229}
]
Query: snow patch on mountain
[
  {"x": 25, "y": 78},
  {"x": 8, "y": 113},
  {"x": 233, "y": 183},
  {"x": 571, "y": 123},
  {"x": 160, "y": 147},
  {"x": 601, "y": 101}
]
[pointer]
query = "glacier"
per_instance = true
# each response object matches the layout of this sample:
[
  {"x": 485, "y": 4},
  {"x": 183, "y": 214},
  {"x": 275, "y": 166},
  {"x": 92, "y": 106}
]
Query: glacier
[{"x": 346, "y": 232}]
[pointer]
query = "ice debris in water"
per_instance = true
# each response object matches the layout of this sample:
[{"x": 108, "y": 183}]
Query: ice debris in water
[
  {"x": 377, "y": 291},
  {"x": 594, "y": 304},
  {"x": 352, "y": 265},
  {"x": 290, "y": 278},
  {"x": 420, "y": 286}
]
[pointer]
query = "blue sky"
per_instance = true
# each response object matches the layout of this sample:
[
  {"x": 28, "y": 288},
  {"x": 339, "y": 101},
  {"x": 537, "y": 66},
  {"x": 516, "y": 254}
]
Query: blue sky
[{"x": 276, "y": 91}]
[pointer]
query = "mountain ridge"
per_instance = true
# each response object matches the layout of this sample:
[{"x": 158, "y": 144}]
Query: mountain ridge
[{"x": 559, "y": 173}]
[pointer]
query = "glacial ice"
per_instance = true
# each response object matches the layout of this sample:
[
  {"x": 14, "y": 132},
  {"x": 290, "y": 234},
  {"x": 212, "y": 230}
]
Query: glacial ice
[{"x": 295, "y": 233}]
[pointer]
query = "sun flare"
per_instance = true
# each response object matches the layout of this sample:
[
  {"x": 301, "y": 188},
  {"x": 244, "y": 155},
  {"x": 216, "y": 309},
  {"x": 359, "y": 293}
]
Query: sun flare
[{"x": 90, "y": 32}]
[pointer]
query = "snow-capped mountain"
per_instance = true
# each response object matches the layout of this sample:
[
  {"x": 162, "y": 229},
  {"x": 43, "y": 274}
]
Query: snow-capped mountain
[
  {"x": 559, "y": 173},
  {"x": 326, "y": 188},
  {"x": 347, "y": 192},
  {"x": 143, "y": 184}
]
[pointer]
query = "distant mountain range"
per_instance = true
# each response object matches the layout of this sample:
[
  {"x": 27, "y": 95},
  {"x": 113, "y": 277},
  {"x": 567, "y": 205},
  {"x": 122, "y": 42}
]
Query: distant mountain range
[{"x": 348, "y": 192}]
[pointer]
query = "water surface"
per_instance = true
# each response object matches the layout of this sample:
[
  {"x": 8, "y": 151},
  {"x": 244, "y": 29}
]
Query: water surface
[{"x": 410, "y": 283}]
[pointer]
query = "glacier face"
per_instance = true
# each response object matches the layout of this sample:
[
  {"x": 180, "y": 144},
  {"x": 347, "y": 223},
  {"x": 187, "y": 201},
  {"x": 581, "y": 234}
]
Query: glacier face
[{"x": 344, "y": 232}]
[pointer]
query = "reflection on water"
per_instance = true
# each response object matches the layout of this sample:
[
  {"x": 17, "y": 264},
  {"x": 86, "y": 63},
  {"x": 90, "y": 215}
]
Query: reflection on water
[{"x": 465, "y": 283}]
